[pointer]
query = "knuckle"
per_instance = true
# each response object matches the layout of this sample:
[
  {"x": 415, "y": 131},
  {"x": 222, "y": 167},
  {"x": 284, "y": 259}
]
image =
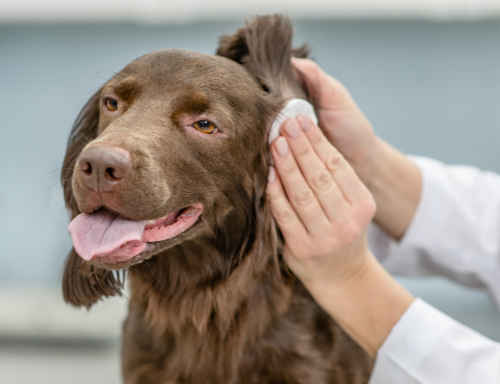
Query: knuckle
[
  {"x": 287, "y": 168},
  {"x": 303, "y": 198},
  {"x": 316, "y": 137},
  {"x": 272, "y": 198},
  {"x": 283, "y": 215},
  {"x": 303, "y": 150},
  {"x": 322, "y": 181},
  {"x": 333, "y": 161},
  {"x": 273, "y": 194}
]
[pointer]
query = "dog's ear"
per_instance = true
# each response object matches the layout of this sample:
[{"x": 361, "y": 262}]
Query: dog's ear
[
  {"x": 264, "y": 48},
  {"x": 83, "y": 284},
  {"x": 83, "y": 131}
]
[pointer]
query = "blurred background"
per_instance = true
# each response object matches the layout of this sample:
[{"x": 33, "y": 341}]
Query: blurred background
[{"x": 425, "y": 72}]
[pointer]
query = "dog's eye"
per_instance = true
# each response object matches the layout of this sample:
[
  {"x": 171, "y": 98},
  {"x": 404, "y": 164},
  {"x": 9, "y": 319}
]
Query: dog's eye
[
  {"x": 205, "y": 126},
  {"x": 110, "y": 104}
]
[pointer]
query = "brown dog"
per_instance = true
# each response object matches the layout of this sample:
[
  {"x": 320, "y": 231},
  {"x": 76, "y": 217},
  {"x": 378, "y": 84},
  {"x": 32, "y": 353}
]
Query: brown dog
[{"x": 165, "y": 175}]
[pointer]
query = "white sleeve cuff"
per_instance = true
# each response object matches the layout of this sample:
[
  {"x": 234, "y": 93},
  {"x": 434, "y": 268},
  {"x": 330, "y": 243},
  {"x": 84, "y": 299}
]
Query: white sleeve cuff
[
  {"x": 428, "y": 347},
  {"x": 437, "y": 207}
]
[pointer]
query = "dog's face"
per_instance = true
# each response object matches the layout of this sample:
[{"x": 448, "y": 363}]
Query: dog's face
[
  {"x": 177, "y": 133},
  {"x": 173, "y": 149}
]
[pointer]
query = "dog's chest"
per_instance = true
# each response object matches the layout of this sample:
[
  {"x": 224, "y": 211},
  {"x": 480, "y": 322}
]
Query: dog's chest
[{"x": 292, "y": 350}]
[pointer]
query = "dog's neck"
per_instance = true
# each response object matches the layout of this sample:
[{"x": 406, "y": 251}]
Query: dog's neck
[
  {"x": 219, "y": 315},
  {"x": 178, "y": 293}
]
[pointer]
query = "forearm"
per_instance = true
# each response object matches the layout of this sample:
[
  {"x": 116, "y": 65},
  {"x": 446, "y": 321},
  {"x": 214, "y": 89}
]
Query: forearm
[
  {"x": 395, "y": 182},
  {"x": 367, "y": 306},
  {"x": 454, "y": 230}
]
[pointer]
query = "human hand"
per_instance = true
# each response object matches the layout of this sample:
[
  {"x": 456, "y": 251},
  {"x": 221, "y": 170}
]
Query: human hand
[
  {"x": 323, "y": 210},
  {"x": 393, "y": 179},
  {"x": 321, "y": 206},
  {"x": 340, "y": 118}
]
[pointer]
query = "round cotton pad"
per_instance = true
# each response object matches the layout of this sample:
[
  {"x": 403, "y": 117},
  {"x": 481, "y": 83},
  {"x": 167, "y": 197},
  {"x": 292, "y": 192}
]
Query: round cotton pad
[{"x": 293, "y": 108}]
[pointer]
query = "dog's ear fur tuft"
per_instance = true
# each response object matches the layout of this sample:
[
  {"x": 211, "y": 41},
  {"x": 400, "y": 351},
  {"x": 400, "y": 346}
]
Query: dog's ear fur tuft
[
  {"x": 264, "y": 48},
  {"x": 83, "y": 284}
]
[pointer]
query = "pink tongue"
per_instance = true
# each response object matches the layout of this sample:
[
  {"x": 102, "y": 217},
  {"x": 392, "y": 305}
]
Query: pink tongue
[{"x": 103, "y": 233}]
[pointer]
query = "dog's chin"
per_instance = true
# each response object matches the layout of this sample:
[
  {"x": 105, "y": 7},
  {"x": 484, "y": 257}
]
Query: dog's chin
[{"x": 153, "y": 244}]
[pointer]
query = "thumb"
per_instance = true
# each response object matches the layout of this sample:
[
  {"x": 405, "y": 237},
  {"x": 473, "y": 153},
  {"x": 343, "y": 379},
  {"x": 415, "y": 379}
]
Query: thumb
[{"x": 325, "y": 91}]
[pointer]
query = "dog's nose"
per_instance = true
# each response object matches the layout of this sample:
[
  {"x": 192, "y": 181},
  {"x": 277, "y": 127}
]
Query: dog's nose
[{"x": 103, "y": 168}]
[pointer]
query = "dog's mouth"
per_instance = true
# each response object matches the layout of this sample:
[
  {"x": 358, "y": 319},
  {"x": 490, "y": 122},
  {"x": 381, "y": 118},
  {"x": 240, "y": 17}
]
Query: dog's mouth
[{"x": 106, "y": 238}]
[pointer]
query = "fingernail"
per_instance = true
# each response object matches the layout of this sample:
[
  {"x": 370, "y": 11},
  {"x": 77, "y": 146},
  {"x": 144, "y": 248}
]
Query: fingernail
[
  {"x": 292, "y": 128},
  {"x": 305, "y": 123},
  {"x": 282, "y": 146},
  {"x": 272, "y": 175}
]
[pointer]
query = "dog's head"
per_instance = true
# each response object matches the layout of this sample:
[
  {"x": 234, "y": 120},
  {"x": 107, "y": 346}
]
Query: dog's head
[{"x": 172, "y": 149}]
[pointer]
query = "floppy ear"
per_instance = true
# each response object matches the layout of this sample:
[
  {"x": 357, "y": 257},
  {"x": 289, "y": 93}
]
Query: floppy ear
[
  {"x": 83, "y": 284},
  {"x": 264, "y": 48},
  {"x": 83, "y": 131}
]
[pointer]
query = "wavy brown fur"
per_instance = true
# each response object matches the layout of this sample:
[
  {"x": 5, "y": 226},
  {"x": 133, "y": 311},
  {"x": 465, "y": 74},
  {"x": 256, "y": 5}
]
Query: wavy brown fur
[{"x": 219, "y": 307}]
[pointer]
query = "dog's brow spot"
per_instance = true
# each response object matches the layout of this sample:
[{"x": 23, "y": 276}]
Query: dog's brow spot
[
  {"x": 191, "y": 103},
  {"x": 126, "y": 88}
]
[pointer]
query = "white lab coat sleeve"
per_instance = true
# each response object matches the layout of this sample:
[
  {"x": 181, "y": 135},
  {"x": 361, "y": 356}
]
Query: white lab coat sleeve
[
  {"x": 455, "y": 232},
  {"x": 428, "y": 347}
]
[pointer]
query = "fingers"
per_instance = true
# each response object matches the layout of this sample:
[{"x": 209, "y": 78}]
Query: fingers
[
  {"x": 302, "y": 199},
  {"x": 325, "y": 91},
  {"x": 347, "y": 180},
  {"x": 314, "y": 171},
  {"x": 291, "y": 226},
  {"x": 319, "y": 203},
  {"x": 321, "y": 185}
]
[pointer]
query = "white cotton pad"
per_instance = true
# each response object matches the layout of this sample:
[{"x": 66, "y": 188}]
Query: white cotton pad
[{"x": 293, "y": 108}]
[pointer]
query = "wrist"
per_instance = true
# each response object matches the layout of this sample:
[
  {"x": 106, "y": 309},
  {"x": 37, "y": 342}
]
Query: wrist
[
  {"x": 371, "y": 165},
  {"x": 372, "y": 168},
  {"x": 395, "y": 182},
  {"x": 339, "y": 286},
  {"x": 367, "y": 305}
]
